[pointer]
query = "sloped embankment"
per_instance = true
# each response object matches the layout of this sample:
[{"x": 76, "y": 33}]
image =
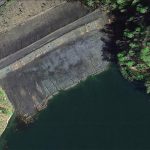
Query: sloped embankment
[
  {"x": 53, "y": 57},
  {"x": 24, "y": 28}
]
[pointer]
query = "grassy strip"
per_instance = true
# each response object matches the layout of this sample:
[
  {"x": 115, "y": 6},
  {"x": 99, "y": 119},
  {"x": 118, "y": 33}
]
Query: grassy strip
[
  {"x": 6, "y": 4},
  {"x": 6, "y": 110}
]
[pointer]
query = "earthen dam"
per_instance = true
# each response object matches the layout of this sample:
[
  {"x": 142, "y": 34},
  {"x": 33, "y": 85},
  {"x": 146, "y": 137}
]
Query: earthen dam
[{"x": 50, "y": 52}]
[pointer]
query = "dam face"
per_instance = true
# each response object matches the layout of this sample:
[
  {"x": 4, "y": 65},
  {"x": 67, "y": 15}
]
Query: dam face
[{"x": 57, "y": 61}]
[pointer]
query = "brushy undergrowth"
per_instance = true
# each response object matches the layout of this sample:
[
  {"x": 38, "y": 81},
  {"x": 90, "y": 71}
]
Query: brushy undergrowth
[
  {"x": 6, "y": 110},
  {"x": 131, "y": 36}
]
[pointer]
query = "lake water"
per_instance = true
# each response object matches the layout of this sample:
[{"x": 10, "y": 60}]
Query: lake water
[{"x": 105, "y": 112}]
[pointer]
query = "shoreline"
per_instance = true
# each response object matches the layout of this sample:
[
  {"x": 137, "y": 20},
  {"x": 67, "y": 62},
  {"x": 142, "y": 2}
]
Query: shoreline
[
  {"x": 30, "y": 119},
  {"x": 55, "y": 65},
  {"x": 4, "y": 134},
  {"x": 6, "y": 111},
  {"x": 45, "y": 69},
  {"x": 48, "y": 100}
]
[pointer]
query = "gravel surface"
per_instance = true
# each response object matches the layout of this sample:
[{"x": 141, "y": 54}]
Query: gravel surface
[{"x": 18, "y": 11}]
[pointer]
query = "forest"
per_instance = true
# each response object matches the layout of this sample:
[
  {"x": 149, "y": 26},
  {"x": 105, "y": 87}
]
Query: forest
[{"x": 130, "y": 36}]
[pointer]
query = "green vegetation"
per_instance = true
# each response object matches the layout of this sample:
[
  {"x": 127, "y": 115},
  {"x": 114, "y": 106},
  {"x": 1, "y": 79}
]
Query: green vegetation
[
  {"x": 6, "y": 110},
  {"x": 131, "y": 36},
  {"x": 6, "y": 4}
]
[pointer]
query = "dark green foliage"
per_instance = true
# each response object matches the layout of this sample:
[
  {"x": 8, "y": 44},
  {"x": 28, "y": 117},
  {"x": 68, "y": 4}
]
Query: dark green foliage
[
  {"x": 134, "y": 50},
  {"x": 131, "y": 30}
]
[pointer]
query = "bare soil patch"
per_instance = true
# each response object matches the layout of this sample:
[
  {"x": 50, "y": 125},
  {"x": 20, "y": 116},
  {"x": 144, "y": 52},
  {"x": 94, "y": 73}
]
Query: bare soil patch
[{"x": 17, "y": 12}]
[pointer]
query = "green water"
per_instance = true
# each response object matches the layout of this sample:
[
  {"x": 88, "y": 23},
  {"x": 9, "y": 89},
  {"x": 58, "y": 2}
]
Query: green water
[{"x": 105, "y": 112}]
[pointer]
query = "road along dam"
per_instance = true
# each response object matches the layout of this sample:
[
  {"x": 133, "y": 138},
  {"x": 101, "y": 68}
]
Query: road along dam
[{"x": 49, "y": 53}]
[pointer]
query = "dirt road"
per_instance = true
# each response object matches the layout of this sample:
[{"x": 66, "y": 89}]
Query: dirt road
[{"x": 15, "y": 12}]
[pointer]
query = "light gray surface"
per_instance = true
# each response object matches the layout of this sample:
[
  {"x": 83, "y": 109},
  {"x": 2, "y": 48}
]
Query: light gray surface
[
  {"x": 2, "y": 2},
  {"x": 29, "y": 87}
]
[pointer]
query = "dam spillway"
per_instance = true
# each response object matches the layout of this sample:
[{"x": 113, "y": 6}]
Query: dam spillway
[{"x": 49, "y": 53}]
